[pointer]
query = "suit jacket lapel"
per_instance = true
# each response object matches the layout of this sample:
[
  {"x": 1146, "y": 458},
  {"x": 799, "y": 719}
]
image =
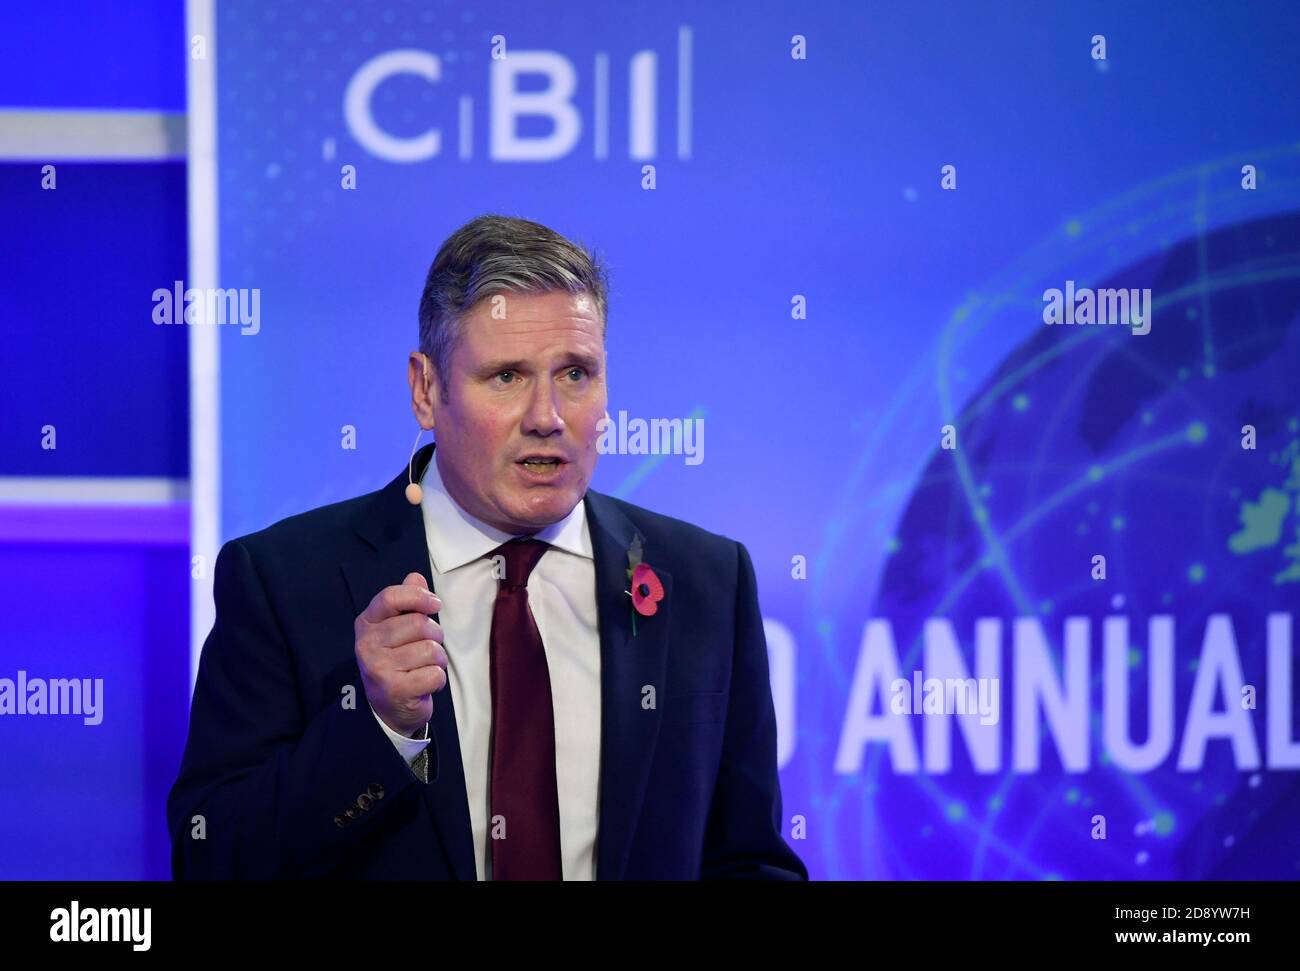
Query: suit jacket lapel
[
  {"x": 393, "y": 530},
  {"x": 627, "y": 665}
]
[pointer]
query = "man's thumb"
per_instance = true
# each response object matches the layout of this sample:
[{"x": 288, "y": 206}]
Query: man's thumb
[{"x": 416, "y": 580}]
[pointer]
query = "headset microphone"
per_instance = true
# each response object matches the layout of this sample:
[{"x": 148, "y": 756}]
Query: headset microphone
[{"x": 414, "y": 494}]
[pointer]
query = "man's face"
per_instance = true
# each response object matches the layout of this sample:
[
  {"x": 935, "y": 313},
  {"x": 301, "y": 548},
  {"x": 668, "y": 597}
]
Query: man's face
[{"x": 527, "y": 379}]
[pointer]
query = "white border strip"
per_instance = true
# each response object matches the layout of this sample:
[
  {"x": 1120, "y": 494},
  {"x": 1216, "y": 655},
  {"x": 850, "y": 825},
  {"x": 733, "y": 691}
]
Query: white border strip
[
  {"x": 91, "y": 491},
  {"x": 51, "y": 136},
  {"x": 205, "y": 359}
]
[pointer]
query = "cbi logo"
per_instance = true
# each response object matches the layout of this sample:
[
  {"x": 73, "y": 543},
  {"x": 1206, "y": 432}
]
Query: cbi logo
[{"x": 508, "y": 103}]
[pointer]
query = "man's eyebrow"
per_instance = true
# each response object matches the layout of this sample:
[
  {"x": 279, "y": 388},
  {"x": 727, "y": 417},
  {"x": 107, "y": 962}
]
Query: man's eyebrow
[
  {"x": 588, "y": 361},
  {"x": 491, "y": 368},
  {"x": 496, "y": 367}
]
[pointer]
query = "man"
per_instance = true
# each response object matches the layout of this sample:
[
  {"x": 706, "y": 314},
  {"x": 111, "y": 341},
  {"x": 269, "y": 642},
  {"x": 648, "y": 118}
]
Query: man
[{"x": 609, "y": 713}]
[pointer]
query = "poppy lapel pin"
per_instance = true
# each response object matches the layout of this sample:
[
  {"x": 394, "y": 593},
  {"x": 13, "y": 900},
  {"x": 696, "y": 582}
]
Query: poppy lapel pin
[{"x": 644, "y": 587}]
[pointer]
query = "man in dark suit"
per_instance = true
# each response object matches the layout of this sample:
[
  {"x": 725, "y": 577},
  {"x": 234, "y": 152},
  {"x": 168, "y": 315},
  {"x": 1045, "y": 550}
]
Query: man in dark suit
[{"x": 500, "y": 673}]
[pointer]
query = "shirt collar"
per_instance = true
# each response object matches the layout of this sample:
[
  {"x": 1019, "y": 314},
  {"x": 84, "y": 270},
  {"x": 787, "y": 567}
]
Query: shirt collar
[{"x": 456, "y": 538}]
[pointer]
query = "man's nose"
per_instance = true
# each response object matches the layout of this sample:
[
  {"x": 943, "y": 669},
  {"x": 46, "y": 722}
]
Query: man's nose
[{"x": 542, "y": 415}]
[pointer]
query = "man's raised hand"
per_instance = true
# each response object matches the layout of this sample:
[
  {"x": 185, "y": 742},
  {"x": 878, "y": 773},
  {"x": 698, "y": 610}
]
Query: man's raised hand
[{"x": 400, "y": 653}]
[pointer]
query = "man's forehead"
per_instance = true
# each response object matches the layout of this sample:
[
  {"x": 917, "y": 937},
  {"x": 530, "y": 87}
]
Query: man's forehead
[
  {"x": 567, "y": 321},
  {"x": 554, "y": 305}
]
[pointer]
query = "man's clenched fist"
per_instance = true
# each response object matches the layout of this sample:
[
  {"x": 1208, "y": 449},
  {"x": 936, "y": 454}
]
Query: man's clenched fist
[{"x": 399, "y": 649}]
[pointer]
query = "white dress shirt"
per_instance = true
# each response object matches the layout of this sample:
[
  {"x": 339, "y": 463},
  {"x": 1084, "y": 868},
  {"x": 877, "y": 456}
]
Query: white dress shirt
[{"x": 562, "y": 597}]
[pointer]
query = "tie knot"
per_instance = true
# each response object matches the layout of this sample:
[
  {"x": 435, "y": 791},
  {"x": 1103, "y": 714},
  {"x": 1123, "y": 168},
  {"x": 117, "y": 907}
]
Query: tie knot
[{"x": 520, "y": 556}]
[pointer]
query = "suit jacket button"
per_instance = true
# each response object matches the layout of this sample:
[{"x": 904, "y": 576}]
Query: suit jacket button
[
  {"x": 375, "y": 791},
  {"x": 340, "y": 822},
  {"x": 364, "y": 801}
]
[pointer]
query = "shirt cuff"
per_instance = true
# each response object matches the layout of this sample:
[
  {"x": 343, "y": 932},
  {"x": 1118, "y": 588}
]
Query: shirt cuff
[{"x": 407, "y": 748}]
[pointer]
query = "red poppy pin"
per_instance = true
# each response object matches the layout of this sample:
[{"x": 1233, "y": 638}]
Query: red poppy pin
[{"x": 644, "y": 587}]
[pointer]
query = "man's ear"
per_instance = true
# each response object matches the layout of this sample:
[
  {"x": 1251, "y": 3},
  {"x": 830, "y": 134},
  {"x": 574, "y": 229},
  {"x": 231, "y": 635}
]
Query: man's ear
[{"x": 420, "y": 375}]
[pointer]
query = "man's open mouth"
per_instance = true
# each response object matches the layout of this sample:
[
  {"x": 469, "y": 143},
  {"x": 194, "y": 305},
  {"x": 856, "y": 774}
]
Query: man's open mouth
[{"x": 541, "y": 463}]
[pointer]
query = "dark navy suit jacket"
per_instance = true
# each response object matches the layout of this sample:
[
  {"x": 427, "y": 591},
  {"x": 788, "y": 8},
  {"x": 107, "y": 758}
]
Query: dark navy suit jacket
[{"x": 293, "y": 776}]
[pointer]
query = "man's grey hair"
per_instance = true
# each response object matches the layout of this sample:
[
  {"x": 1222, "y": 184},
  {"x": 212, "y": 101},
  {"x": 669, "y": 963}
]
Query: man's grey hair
[{"x": 494, "y": 254}]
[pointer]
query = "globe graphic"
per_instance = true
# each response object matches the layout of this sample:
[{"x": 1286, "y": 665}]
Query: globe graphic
[{"x": 1091, "y": 441}]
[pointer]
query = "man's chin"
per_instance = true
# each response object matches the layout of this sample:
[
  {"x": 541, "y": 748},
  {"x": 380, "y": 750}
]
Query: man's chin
[{"x": 538, "y": 515}]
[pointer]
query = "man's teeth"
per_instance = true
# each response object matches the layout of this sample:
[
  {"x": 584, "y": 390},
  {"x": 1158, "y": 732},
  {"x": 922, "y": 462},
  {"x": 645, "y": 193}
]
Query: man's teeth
[{"x": 541, "y": 461}]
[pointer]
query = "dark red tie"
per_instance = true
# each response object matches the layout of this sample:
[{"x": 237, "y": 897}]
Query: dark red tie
[{"x": 523, "y": 790}]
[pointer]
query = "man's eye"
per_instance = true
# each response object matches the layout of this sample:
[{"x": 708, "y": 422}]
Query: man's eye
[
  {"x": 501, "y": 373},
  {"x": 582, "y": 372}
]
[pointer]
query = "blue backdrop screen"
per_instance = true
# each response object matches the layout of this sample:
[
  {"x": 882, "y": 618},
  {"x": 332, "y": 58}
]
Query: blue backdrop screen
[{"x": 837, "y": 234}]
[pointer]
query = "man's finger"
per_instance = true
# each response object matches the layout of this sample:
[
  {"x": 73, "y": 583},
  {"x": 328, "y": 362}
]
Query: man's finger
[
  {"x": 416, "y": 655},
  {"x": 404, "y": 629},
  {"x": 423, "y": 681},
  {"x": 402, "y": 599}
]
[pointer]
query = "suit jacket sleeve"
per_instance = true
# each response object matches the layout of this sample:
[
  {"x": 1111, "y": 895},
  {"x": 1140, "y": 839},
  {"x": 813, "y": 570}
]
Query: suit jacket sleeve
[
  {"x": 272, "y": 777},
  {"x": 743, "y": 836}
]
